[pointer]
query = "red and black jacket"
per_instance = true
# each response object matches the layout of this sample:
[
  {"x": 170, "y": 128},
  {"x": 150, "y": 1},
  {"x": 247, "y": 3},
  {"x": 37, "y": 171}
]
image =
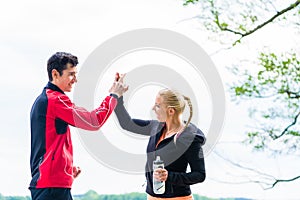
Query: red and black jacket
[{"x": 51, "y": 158}]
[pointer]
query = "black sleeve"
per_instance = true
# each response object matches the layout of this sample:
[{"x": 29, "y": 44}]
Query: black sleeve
[
  {"x": 195, "y": 158},
  {"x": 138, "y": 126}
]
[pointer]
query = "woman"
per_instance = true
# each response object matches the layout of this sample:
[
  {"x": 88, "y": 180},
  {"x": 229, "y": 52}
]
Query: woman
[{"x": 178, "y": 144}]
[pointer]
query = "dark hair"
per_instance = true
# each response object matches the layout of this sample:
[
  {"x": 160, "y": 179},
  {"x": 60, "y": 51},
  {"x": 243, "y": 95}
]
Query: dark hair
[{"x": 59, "y": 62}]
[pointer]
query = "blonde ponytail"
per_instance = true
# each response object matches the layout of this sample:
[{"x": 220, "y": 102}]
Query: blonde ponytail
[
  {"x": 191, "y": 110},
  {"x": 190, "y": 117}
]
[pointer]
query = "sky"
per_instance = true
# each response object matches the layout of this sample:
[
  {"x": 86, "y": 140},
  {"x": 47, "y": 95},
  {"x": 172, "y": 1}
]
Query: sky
[{"x": 31, "y": 31}]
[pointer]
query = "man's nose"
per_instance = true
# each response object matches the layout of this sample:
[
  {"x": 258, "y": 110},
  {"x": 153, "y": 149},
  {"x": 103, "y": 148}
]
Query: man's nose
[{"x": 75, "y": 79}]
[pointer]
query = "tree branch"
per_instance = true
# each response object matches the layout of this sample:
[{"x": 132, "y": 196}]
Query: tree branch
[
  {"x": 287, "y": 128},
  {"x": 267, "y": 176},
  {"x": 283, "y": 180},
  {"x": 222, "y": 28},
  {"x": 266, "y": 181},
  {"x": 292, "y": 6},
  {"x": 293, "y": 95}
]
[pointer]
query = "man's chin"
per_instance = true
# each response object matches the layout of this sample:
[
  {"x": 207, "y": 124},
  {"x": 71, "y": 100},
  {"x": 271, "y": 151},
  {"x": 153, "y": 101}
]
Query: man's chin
[{"x": 68, "y": 90}]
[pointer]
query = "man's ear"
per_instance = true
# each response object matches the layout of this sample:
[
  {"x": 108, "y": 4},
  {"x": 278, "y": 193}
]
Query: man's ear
[{"x": 55, "y": 73}]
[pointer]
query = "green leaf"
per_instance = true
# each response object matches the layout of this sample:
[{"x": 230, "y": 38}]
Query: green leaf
[{"x": 294, "y": 133}]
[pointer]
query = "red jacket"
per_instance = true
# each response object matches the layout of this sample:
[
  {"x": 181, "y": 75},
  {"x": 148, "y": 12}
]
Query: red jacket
[{"x": 51, "y": 158}]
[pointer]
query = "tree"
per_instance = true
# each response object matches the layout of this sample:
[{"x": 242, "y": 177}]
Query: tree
[
  {"x": 243, "y": 18},
  {"x": 90, "y": 195},
  {"x": 273, "y": 82},
  {"x": 277, "y": 82}
]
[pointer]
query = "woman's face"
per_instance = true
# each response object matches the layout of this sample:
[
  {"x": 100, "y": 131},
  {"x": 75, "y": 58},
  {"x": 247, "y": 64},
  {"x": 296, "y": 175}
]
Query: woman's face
[{"x": 160, "y": 109}]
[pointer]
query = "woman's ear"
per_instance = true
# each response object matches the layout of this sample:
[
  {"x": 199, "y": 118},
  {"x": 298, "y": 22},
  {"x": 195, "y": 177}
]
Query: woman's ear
[{"x": 171, "y": 111}]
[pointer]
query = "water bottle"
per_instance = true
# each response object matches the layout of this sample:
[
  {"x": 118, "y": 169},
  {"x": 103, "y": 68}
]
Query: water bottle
[{"x": 158, "y": 186}]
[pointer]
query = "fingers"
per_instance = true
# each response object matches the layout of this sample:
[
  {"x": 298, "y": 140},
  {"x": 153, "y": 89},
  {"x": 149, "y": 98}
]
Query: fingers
[
  {"x": 126, "y": 88},
  {"x": 112, "y": 87},
  {"x": 122, "y": 76},
  {"x": 117, "y": 77},
  {"x": 160, "y": 174},
  {"x": 118, "y": 86},
  {"x": 76, "y": 171}
]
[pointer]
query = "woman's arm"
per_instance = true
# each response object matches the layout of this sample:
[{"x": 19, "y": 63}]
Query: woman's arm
[
  {"x": 195, "y": 158},
  {"x": 138, "y": 126}
]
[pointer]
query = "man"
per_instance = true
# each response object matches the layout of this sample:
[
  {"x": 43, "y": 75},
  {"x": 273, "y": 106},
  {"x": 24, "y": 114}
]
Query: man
[{"x": 51, "y": 158}]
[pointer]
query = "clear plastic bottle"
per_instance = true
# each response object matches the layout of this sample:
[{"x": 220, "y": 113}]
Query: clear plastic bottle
[{"x": 158, "y": 186}]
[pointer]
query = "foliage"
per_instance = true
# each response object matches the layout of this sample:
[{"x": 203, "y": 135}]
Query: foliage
[
  {"x": 14, "y": 198},
  {"x": 275, "y": 87},
  {"x": 92, "y": 195},
  {"x": 237, "y": 19}
]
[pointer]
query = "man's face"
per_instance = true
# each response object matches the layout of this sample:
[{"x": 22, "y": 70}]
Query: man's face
[{"x": 67, "y": 79}]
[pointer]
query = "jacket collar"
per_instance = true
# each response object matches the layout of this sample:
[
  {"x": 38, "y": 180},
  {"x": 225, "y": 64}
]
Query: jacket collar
[{"x": 53, "y": 87}]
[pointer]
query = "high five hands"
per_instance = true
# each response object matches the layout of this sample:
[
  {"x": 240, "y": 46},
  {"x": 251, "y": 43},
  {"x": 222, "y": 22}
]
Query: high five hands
[{"x": 118, "y": 87}]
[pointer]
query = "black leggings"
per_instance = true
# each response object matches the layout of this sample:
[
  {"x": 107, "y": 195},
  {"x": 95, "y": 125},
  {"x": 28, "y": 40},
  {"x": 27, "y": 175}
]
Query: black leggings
[{"x": 51, "y": 194}]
